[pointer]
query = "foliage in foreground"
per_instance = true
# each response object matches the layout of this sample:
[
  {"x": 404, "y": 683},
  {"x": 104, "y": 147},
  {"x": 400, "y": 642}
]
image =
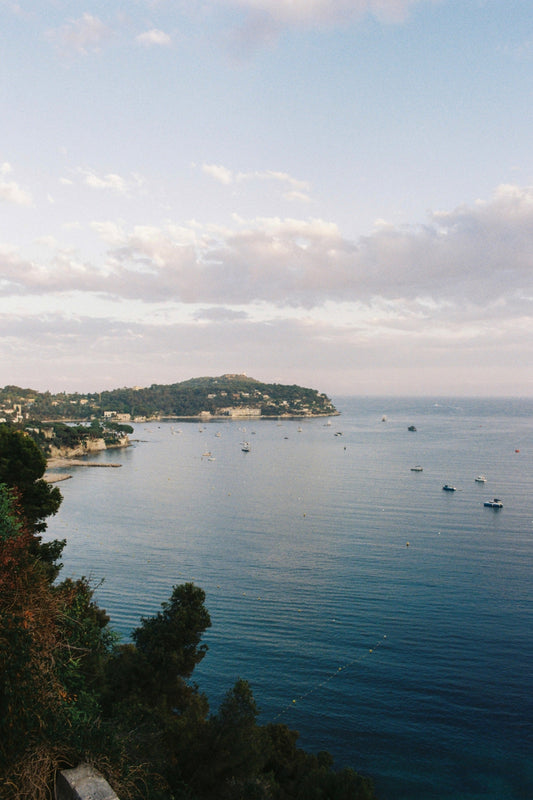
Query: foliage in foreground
[{"x": 69, "y": 692}]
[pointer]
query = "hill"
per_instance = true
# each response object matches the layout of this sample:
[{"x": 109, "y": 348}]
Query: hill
[{"x": 227, "y": 395}]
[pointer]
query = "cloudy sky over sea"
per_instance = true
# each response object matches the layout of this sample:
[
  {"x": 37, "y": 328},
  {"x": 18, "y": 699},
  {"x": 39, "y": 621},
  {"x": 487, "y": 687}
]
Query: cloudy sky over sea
[{"x": 337, "y": 193}]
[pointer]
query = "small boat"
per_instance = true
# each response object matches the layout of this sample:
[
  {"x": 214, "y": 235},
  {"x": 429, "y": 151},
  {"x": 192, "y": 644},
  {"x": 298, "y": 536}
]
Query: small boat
[
  {"x": 448, "y": 488},
  {"x": 411, "y": 428},
  {"x": 418, "y": 468},
  {"x": 480, "y": 479},
  {"x": 245, "y": 447},
  {"x": 495, "y": 503}
]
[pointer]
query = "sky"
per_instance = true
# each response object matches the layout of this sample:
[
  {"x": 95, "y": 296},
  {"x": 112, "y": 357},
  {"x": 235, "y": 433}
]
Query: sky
[{"x": 332, "y": 193}]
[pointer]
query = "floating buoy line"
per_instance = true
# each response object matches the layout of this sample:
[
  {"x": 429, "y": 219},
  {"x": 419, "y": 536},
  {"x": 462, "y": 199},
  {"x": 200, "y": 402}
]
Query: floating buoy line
[{"x": 357, "y": 660}]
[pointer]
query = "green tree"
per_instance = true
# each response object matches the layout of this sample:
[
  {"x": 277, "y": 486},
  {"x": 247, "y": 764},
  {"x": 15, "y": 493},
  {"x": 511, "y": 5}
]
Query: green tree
[
  {"x": 166, "y": 650},
  {"x": 22, "y": 466},
  {"x": 236, "y": 749}
]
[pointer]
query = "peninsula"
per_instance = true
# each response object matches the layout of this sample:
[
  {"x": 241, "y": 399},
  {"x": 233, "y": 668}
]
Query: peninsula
[{"x": 230, "y": 395}]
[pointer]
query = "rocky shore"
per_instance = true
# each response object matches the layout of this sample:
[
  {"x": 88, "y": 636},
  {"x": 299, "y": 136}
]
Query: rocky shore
[{"x": 65, "y": 458}]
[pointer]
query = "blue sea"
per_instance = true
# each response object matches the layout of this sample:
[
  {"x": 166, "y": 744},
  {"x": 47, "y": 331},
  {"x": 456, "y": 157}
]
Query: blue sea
[{"x": 388, "y": 621}]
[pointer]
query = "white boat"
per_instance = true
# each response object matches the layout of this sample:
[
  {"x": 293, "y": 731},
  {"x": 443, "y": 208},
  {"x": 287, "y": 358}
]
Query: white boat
[
  {"x": 480, "y": 479},
  {"x": 245, "y": 447},
  {"x": 418, "y": 468}
]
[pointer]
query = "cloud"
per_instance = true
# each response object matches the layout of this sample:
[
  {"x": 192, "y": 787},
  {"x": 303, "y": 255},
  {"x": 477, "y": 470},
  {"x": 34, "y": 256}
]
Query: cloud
[
  {"x": 111, "y": 181},
  {"x": 468, "y": 262},
  {"x": 297, "y": 189},
  {"x": 218, "y": 173},
  {"x": 10, "y": 192},
  {"x": 46, "y": 352},
  {"x": 154, "y": 37},
  {"x": 264, "y": 20},
  {"x": 80, "y": 35},
  {"x": 318, "y": 12},
  {"x": 219, "y": 314}
]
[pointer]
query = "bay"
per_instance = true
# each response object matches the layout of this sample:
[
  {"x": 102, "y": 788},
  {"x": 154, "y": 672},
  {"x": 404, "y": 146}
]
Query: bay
[{"x": 386, "y": 620}]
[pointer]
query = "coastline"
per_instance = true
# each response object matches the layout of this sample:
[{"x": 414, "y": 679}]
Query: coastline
[{"x": 57, "y": 462}]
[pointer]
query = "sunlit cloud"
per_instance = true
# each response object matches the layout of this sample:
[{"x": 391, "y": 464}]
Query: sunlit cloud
[{"x": 473, "y": 256}]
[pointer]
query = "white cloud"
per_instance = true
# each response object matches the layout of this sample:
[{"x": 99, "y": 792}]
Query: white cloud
[
  {"x": 10, "y": 191},
  {"x": 154, "y": 37},
  {"x": 109, "y": 232},
  {"x": 468, "y": 263},
  {"x": 111, "y": 181},
  {"x": 218, "y": 173},
  {"x": 297, "y": 189},
  {"x": 299, "y": 197},
  {"x": 80, "y": 35}
]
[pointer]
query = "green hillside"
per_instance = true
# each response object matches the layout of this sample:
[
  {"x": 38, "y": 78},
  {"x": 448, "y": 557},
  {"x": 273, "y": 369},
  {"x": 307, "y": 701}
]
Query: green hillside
[{"x": 226, "y": 395}]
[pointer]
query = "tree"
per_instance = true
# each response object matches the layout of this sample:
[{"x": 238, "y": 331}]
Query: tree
[
  {"x": 22, "y": 466},
  {"x": 167, "y": 648},
  {"x": 236, "y": 748}
]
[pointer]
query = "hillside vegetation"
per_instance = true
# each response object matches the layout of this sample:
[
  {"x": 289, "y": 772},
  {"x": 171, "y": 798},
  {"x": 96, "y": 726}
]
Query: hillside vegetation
[{"x": 226, "y": 395}]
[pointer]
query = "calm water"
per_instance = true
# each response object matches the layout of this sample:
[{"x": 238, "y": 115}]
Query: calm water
[{"x": 412, "y": 663}]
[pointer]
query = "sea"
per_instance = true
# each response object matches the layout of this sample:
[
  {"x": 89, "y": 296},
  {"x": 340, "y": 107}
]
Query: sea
[{"x": 388, "y": 621}]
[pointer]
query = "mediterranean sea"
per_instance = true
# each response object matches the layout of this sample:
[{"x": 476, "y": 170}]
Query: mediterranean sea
[{"x": 388, "y": 621}]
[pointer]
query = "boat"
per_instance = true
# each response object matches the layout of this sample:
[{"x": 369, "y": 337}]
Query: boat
[
  {"x": 448, "y": 488},
  {"x": 245, "y": 447},
  {"x": 418, "y": 468},
  {"x": 411, "y": 428},
  {"x": 494, "y": 503},
  {"x": 480, "y": 479}
]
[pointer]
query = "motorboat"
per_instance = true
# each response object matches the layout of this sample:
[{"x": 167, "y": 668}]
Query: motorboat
[
  {"x": 448, "y": 488},
  {"x": 418, "y": 468},
  {"x": 495, "y": 503},
  {"x": 411, "y": 428},
  {"x": 245, "y": 447},
  {"x": 480, "y": 479}
]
